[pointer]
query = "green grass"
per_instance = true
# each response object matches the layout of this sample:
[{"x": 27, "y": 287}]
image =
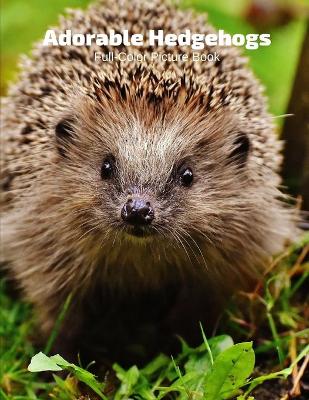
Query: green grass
[{"x": 269, "y": 327}]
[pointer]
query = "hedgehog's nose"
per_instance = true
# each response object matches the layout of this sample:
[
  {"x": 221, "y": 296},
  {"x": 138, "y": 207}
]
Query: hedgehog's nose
[{"x": 137, "y": 212}]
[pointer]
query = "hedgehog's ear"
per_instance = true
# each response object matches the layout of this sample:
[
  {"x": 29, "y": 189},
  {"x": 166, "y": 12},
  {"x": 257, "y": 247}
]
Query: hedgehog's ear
[
  {"x": 241, "y": 148},
  {"x": 64, "y": 134}
]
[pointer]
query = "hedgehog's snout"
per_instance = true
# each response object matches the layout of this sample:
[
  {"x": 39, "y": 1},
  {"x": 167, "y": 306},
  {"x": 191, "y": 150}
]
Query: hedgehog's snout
[{"x": 137, "y": 212}]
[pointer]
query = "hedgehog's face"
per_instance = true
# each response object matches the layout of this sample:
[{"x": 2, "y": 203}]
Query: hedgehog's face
[
  {"x": 175, "y": 178},
  {"x": 144, "y": 199}
]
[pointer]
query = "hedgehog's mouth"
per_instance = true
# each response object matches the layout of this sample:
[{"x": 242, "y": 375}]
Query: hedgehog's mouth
[{"x": 139, "y": 231}]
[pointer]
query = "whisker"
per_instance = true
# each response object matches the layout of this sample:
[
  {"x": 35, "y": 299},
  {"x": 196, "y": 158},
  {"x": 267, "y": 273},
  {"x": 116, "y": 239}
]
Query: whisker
[
  {"x": 200, "y": 251},
  {"x": 180, "y": 243},
  {"x": 183, "y": 236},
  {"x": 204, "y": 235},
  {"x": 88, "y": 231}
]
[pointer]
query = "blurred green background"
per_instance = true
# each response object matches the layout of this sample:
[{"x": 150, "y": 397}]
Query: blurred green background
[{"x": 25, "y": 21}]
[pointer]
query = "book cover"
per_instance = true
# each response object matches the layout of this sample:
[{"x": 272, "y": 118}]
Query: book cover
[{"x": 154, "y": 199}]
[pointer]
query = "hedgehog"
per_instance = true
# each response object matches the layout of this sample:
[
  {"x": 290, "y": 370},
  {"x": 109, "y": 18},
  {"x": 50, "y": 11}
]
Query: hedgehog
[{"x": 136, "y": 183}]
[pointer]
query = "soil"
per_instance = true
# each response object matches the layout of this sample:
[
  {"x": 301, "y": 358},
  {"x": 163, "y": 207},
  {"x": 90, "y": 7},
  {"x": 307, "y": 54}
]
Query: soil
[{"x": 279, "y": 390}]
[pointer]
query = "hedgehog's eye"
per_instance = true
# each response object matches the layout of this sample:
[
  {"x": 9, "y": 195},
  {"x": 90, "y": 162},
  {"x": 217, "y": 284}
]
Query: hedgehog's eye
[
  {"x": 241, "y": 149},
  {"x": 185, "y": 176},
  {"x": 107, "y": 167}
]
